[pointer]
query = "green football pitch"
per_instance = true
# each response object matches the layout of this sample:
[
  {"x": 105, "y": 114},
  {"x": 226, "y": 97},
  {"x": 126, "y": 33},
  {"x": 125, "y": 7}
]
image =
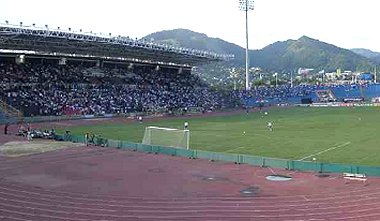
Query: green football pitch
[{"x": 337, "y": 135}]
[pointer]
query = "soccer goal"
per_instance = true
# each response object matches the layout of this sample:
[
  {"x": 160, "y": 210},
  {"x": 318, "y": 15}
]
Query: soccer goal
[{"x": 167, "y": 137}]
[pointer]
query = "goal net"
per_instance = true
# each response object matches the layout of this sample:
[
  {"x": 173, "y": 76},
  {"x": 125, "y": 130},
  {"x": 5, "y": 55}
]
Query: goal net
[{"x": 167, "y": 137}]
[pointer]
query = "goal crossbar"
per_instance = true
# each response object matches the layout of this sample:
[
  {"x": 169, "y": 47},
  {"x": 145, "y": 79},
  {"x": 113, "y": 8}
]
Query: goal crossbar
[{"x": 165, "y": 128}]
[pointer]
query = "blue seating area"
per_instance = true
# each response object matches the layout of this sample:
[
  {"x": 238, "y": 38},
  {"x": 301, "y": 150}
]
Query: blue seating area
[
  {"x": 367, "y": 92},
  {"x": 292, "y": 95},
  {"x": 372, "y": 91}
]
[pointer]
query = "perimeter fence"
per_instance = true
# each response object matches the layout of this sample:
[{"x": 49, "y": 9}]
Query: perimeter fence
[{"x": 297, "y": 165}]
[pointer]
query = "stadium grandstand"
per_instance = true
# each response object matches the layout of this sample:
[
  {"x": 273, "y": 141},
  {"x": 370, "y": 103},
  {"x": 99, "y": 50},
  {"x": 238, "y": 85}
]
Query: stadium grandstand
[
  {"x": 286, "y": 94},
  {"x": 48, "y": 71}
]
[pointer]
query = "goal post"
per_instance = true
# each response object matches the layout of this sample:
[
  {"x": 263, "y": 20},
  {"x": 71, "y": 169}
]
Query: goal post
[{"x": 168, "y": 137}]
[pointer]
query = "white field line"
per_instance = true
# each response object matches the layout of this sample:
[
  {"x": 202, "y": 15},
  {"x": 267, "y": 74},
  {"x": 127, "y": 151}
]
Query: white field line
[
  {"x": 324, "y": 151},
  {"x": 365, "y": 158}
]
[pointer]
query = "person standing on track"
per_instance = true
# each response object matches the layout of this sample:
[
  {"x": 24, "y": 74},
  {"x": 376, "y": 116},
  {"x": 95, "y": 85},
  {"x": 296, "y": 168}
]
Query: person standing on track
[
  {"x": 6, "y": 128},
  {"x": 29, "y": 135},
  {"x": 87, "y": 138}
]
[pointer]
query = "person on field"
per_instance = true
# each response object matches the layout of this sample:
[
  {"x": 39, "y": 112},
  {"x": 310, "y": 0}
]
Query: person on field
[
  {"x": 186, "y": 125},
  {"x": 270, "y": 126}
]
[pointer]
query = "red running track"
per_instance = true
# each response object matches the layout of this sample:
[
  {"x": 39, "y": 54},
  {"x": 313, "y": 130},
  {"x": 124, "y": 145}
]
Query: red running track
[{"x": 91, "y": 183}]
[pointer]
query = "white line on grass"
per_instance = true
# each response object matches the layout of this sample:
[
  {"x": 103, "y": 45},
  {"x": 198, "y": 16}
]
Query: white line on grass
[
  {"x": 365, "y": 158},
  {"x": 324, "y": 151}
]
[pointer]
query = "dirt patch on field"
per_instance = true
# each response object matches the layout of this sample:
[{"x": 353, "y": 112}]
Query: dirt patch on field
[{"x": 21, "y": 148}]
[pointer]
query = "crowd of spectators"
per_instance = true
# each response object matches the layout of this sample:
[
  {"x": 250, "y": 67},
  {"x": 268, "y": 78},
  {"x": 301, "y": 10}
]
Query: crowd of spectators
[
  {"x": 287, "y": 94},
  {"x": 46, "y": 89},
  {"x": 52, "y": 89},
  {"x": 276, "y": 95}
]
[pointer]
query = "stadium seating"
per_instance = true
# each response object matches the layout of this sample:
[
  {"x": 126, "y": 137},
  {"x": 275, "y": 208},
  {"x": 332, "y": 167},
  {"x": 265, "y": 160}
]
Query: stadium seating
[
  {"x": 52, "y": 89},
  {"x": 293, "y": 95},
  {"x": 325, "y": 96},
  {"x": 46, "y": 88}
]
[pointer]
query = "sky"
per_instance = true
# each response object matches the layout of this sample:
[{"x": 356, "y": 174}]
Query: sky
[{"x": 345, "y": 23}]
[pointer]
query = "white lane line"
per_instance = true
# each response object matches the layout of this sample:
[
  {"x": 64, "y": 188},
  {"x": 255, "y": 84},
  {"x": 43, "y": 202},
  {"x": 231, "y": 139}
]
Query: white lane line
[{"x": 324, "y": 151}]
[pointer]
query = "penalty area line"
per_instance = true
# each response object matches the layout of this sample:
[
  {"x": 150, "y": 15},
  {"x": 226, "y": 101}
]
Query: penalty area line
[{"x": 324, "y": 151}]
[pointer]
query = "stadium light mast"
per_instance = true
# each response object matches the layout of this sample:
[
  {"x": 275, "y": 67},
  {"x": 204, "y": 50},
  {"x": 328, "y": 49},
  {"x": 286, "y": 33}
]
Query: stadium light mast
[
  {"x": 375, "y": 75},
  {"x": 291, "y": 78},
  {"x": 246, "y": 5}
]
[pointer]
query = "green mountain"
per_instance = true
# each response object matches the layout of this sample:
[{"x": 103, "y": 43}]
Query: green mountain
[
  {"x": 374, "y": 56},
  {"x": 190, "y": 39},
  {"x": 282, "y": 56},
  {"x": 308, "y": 53},
  {"x": 365, "y": 52}
]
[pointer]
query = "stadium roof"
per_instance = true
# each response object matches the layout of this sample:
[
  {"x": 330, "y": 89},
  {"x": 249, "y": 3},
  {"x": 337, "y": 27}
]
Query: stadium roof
[{"x": 68, "y": 43}]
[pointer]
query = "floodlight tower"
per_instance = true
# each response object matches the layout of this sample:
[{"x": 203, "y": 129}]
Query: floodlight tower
[
  {"x": 375, "y": 75},
  {"x": 246, "y": 5}
]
